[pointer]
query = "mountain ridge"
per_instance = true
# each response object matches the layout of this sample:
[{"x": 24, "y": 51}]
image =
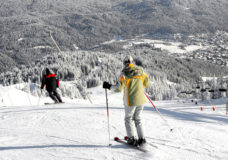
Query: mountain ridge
[{"x": 26, "y": 24}]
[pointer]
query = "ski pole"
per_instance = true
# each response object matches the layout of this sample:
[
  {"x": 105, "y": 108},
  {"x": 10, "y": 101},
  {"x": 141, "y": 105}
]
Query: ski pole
[
  {"x": 88, "y": 98},
  {"x": 108, "y": 117},
  {"x": 2, "y": 100},
  {"x": 28, "y": 94},
  {"x": 158, "y": 112},
  {"x": 40, "y": 97}
]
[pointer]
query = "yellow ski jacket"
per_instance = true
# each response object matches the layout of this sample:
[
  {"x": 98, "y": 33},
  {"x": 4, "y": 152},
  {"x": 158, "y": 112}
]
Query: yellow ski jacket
[{"x": 133, "y": 80}]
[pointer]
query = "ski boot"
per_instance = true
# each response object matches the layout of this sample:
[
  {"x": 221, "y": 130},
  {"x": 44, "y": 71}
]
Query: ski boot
[
  {"x": 132, "y": 141},
  {"x": 141, "y": 141}
]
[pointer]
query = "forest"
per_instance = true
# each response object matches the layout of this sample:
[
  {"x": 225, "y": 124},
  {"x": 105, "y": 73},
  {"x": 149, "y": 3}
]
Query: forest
[{"x": 170, "y": 76}]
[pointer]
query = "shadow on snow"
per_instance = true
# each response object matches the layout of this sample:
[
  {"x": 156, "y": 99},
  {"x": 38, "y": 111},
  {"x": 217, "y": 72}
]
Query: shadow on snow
[
  {"x": 50, "y": 146},
  {"x": 58, "y": 108},
  {"x": 189, "y": 116}
]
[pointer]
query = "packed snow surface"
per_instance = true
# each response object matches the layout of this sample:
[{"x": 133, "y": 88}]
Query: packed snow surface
[{"x": 78, "y": 130}]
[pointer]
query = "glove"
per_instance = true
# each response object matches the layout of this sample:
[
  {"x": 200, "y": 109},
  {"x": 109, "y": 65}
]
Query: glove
[
  {"x": 106, "y": 85},
  {"x": 41, "y": 87}
]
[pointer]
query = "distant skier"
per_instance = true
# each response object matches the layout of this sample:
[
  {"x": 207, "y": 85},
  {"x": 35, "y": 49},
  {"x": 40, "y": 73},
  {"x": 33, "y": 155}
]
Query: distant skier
[
  {"x": 49, "y": 79},
  {"x": 133, "y": 80}
]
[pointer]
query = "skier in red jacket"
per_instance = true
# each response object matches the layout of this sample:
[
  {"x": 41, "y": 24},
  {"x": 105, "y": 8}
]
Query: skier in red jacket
[{"x": 49, "y": 79}]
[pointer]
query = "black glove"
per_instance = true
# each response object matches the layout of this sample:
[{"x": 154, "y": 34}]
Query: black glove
[
  {"x": 41, "y": 87},
  {"x": 106, "y": 85},
  {"x": 222, "y": 89}
]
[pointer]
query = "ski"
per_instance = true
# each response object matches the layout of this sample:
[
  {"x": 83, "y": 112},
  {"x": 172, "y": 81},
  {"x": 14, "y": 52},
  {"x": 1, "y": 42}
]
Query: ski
[
  {"x": 46, "y": 103},
  {"x": 117, "y": 139}
]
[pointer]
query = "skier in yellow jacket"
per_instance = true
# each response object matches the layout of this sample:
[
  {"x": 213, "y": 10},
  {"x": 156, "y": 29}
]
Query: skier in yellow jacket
[{"x": 133, "y": 81}]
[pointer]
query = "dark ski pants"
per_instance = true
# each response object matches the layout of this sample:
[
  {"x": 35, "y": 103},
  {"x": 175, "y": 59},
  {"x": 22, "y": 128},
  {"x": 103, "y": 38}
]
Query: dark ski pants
[{"x": 55, "y": 96}]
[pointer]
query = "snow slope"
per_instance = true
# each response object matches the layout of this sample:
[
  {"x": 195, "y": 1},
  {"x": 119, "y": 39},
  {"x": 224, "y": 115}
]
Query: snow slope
[{"x": 77, "y": 130}]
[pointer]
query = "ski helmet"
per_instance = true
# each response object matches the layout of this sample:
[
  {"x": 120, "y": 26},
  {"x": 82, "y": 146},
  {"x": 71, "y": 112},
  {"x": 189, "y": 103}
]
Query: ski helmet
[{"x": 127, "y": 60}]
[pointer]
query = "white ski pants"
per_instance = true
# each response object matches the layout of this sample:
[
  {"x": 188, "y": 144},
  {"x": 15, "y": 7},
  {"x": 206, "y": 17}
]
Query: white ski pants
[{"x": 133, "y": 121}]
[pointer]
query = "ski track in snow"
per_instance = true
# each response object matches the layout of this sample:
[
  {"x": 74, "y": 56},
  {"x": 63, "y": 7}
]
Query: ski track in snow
[{"x": 78, "y": 130}]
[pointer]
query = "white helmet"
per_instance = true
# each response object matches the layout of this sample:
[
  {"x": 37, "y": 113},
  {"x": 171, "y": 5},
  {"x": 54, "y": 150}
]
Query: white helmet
[{"x": 127, "y": 60}]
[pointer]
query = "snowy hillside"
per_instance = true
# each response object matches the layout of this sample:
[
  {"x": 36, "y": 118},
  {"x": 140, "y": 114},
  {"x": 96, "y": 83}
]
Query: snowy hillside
[
  {"x": 25, "y": 25},
  {"x": 78, "y": 130}
]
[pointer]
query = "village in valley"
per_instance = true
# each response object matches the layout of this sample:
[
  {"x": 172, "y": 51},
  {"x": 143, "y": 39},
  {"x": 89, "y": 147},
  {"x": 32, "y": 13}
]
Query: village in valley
[{"x": 213, "y": 47}]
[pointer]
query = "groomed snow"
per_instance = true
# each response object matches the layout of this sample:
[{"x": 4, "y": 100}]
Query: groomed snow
[{"x": 77, "y": 130}]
